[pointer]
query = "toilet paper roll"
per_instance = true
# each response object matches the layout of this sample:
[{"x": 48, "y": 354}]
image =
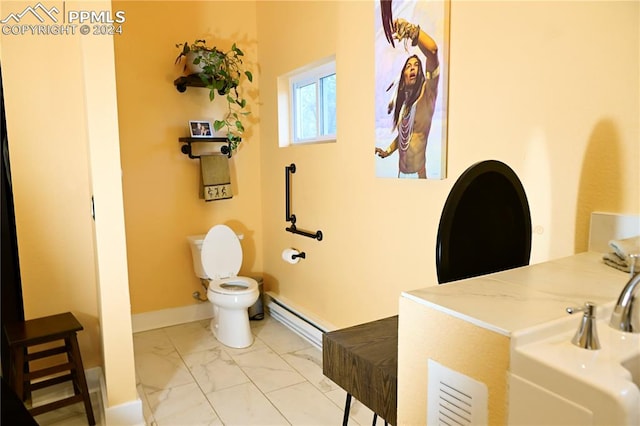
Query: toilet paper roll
[{"x": 287, "y": 256}]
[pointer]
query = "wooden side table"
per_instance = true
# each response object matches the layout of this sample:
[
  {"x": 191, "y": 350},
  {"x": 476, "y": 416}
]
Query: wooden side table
[
  {"x": 363, "y": 360},
  {"x": 61, "y": 327}
]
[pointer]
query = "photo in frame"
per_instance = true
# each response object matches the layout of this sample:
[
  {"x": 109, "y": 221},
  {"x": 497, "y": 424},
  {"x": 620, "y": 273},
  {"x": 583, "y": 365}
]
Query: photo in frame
[
  {"x": 200, "y": 129},
  {"x": 411, "y": 88}
]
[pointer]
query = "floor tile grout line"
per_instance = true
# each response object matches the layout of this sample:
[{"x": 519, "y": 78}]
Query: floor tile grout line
[
  {"x": 195, "y": 380},
  {"x": 302, "y": 375},
  {"x": 232, "y": 356},
  {"x": 265, "y": 394}
]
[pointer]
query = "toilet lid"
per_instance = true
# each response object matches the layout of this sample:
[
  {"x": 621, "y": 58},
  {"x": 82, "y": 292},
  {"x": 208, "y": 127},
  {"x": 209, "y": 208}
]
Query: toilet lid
[{"x": 221, "y": 253}]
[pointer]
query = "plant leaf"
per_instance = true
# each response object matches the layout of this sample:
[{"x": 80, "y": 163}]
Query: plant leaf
[{"x": 249, "y": 75}]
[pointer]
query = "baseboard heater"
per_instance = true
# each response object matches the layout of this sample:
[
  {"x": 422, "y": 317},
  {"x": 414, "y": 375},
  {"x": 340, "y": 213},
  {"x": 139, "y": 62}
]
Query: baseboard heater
[{"x": 295, "y": 321}]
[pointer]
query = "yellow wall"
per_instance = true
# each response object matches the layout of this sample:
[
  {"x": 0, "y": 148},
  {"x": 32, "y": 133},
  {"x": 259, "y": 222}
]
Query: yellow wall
[
  {"x": 425, "y": 333},
  {"x": 62, "y": 127},
  {"x": 46, "y": 125},
  {"x": 161, "y": 200},
  {"x": 536, "y": 100},
  {"x": 550, "y": 88}
]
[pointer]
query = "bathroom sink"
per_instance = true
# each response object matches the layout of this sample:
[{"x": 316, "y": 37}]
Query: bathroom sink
[
  {"x": 633, "y": 366},
  {"x": 583, "y": 386}
]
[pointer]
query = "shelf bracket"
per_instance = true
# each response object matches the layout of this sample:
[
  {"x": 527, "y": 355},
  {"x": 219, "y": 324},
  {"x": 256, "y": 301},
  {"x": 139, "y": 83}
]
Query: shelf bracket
[{"x": 186, "y": 148}]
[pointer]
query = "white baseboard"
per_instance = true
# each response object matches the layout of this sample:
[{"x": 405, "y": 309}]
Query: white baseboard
[
  {"x": 172, "y": 316},
  {"x": 127, "y": 414},
  {"x": 280, "y": 308}
]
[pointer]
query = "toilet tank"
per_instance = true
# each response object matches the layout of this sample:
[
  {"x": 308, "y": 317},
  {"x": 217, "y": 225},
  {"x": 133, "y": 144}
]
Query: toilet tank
[{"x": 195, "y": 243}]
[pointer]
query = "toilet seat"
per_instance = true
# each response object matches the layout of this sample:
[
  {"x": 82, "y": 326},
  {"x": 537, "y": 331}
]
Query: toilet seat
[
  {"x": 233, "y": 286},
  {"x": 221, "y": 261}
]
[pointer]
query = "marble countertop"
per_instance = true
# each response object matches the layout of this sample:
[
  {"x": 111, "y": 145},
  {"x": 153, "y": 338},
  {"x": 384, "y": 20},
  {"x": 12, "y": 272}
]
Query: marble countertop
[{"x": 517, "y": 299}]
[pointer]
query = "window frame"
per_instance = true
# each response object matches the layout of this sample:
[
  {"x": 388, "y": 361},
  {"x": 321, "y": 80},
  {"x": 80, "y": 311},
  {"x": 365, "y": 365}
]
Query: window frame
[{"x": 301, "y": 78}]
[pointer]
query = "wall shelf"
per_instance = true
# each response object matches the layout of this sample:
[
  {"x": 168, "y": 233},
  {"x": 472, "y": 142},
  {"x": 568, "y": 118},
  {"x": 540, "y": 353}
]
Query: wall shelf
[
  {"x": 187, "y": 149},
  {"x": 192, "y": 80}
]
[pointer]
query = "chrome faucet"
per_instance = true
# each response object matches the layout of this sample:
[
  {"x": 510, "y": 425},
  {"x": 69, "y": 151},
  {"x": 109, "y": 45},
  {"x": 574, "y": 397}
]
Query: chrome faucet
[
  {"x": 587, "y": 335},
  {"x": 626, "y": 313}
]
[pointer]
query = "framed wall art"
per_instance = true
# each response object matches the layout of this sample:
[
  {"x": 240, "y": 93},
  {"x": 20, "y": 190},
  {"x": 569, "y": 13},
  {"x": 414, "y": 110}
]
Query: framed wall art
[{"x": 411, "y": 88}]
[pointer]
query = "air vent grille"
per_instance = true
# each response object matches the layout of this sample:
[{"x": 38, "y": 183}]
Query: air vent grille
[{"x": 455, "y": 399}]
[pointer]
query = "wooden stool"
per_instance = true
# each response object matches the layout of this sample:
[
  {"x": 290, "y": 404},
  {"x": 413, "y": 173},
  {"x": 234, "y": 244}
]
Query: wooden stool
[{"x": 37, "y": 331}]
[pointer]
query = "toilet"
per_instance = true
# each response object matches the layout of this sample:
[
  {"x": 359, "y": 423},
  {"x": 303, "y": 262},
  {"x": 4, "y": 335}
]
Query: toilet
[{"x": 217, "y": 258}]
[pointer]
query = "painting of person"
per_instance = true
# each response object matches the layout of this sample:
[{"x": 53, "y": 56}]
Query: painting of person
[{"x": 414, "y": 107}]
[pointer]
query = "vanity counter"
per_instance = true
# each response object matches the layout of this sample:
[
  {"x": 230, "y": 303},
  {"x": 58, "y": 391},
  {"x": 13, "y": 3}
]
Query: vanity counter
[
  {"x": 518, "y": 299},
  {"x": 471, "y": 326}
]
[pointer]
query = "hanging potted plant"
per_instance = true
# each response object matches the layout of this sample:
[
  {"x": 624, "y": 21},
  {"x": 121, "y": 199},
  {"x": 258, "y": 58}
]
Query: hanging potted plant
[{"x": 220, "y": 72}]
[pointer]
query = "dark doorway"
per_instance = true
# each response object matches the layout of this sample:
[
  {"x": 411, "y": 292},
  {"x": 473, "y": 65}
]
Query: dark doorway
[{"x": 12, "y": 307}]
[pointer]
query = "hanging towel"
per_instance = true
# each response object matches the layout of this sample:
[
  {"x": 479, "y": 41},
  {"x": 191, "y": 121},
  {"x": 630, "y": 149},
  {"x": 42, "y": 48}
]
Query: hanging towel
[
  {"x": 215, "y": 177},
  {"x": 619, "y": 258}
]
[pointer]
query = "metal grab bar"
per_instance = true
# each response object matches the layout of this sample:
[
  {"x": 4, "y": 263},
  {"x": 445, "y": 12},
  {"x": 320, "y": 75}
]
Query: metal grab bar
[
  {"x": 294, "y": 230},
  {"x": 287, "y": 188},
  {"x": 290, "y": 217}
]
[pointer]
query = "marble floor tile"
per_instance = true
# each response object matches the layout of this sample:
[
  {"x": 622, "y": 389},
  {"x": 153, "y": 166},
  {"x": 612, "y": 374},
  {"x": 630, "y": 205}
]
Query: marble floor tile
[
  {"x": 214, "y": 369},
  {"x": 182, "y": 405},
  {"x": 163, "y": 370},
  {"x": 358, "y": 412},
  {"x": 303, "y": 404},
  {"x": 256, "y": 345},
  {"x": 245, "y": 405},
  {"x": 308, "y": 362},
  {"x": 186, "y": 378},
  {"x": 152, "y": 341},
  {"x": 267, "y": 369},
  {"x": 146, "y": 408},
  {"x": 192, "y": 337},
  {"x": 279, "y": 338}
]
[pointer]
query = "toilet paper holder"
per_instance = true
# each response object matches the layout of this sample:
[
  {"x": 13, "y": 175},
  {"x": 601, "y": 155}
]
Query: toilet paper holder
[{"x": 293, "y": 256}]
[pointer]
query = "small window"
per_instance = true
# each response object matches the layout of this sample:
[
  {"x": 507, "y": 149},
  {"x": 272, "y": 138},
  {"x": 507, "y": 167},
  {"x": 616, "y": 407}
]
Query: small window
[{"x": 311, "y": 109}]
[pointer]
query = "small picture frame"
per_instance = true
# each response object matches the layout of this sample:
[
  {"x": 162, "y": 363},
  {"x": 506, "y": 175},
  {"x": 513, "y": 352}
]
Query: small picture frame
[{"x": 200, "y": 129}]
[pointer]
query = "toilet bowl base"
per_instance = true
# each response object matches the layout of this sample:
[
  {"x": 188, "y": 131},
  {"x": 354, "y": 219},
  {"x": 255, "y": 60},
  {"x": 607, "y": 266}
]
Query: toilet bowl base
[{"x": 231, "y": 327}]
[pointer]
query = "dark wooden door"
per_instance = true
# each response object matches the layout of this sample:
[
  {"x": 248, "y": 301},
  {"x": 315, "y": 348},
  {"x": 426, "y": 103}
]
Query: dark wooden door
[{"x": 11, "y": 296}]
